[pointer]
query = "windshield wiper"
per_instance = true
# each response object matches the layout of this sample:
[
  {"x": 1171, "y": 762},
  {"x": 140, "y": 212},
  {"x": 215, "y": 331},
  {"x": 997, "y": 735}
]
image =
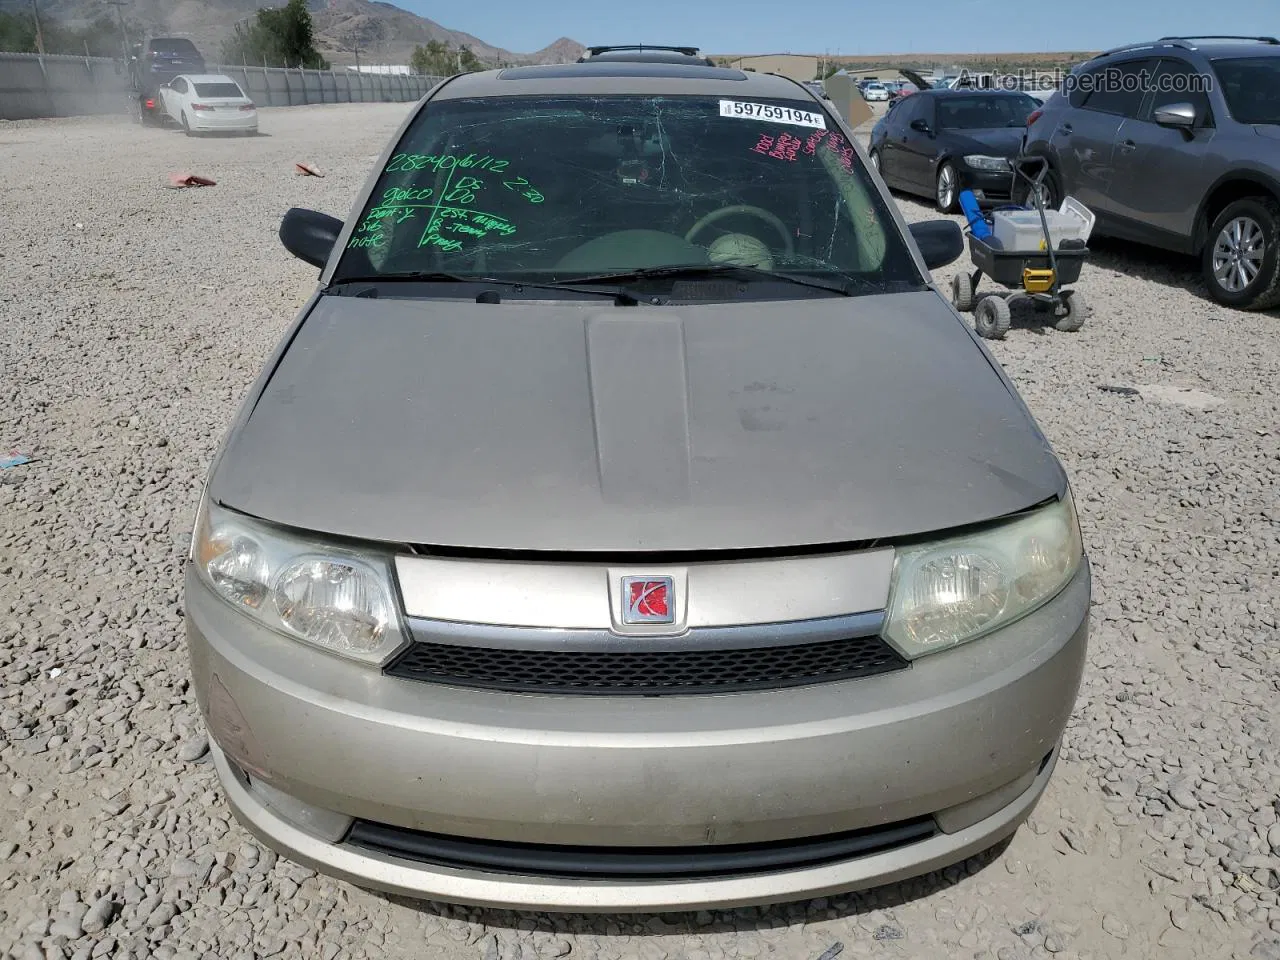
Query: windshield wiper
[
  {"x": 435, "y": 276},
  {"x": 717, "y": 270}
]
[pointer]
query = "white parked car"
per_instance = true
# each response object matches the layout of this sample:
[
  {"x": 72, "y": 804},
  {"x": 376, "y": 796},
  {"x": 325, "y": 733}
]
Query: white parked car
[
  {"x": 208, "y": 103},
  {"x": 875, "y": 91}
]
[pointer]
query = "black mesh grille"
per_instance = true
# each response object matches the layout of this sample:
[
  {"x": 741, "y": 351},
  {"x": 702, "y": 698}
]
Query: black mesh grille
[
  {"x": 635, "y": 863},
  {"x": 645, "y": 673}
]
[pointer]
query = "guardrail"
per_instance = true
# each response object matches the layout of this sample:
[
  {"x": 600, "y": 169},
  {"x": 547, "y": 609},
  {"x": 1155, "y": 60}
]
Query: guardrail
[{"x": 34, "y": 85}]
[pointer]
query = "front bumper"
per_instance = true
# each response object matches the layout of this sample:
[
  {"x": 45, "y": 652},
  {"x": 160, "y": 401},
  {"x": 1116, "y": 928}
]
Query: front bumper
[
  {"x": 990, "y": 187},
  {"x": 966, "y": 737}
]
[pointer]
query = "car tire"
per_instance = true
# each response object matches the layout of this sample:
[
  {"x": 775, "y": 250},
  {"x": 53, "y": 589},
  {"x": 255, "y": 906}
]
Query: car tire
[
  {"x": 1077, "y": 312},
  {"x": 186, "y": 125},
  {"x": 1052, "y": 195},
  {"x": 946, "y": 188},
  {"x": 1244, "y": 245},
  {"x": 992, "y": 317},
  {"x": 875, "y": 160},
  {"x": 962, "y": 292}
]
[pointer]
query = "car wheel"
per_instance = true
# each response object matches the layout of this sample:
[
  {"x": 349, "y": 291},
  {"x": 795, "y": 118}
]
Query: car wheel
[
  {"x": 1077, "y": 312},
  {"x": 947, "y": 188},
  {"x": 1242, "y": 256},
  {"x": 186, "y": 125},
  {"x": 992, "y": 318},
  {"x": 962, "y": 292},
  {"x": 875, "y": 159},
  {"x": 1050, "y": 192}
]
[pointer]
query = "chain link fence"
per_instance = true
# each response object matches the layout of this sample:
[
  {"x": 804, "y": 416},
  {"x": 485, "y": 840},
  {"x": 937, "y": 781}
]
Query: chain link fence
[{"x": 34, "y": 85}]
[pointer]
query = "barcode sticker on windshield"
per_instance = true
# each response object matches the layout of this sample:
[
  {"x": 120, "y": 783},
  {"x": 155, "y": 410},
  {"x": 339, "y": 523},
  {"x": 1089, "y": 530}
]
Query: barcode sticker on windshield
[{"x": 776, "y": 114}]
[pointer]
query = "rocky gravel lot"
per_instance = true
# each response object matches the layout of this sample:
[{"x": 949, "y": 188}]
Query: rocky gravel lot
[{"x": 133, "y": 317}]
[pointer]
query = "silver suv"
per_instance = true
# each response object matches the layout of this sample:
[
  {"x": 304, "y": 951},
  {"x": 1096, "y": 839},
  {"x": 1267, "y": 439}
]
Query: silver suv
[{"x": 1174, "y": 144}]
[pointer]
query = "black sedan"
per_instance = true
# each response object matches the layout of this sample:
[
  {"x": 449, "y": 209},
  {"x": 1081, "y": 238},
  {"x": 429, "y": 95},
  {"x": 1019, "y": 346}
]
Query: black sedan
[{"x": 936, "y": 143}]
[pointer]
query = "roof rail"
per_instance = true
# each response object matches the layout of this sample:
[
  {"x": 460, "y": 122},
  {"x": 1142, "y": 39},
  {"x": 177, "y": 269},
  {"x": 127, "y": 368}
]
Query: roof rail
[
  {"x": 1115, "y": 50},
  {"x": 1224, "y": 36},
  {"x": 687, "y": 51}
]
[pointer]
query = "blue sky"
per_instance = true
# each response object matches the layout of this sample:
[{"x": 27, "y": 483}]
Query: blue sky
[{"x": 848, "y": 26}]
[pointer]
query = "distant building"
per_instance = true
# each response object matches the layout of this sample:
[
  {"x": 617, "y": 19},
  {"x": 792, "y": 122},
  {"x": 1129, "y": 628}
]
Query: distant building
[
  {"x": 402, "y": 70},
  {"x": 794, "y": 65},
  {"x": 879, "y": 73}
]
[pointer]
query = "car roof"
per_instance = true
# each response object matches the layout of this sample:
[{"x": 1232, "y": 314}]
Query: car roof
[
  {"x": 175, "y": 41},
  {"x": 640, "y": 53},
  {"x": 1212, "y": 47},
  {"x": 947, "y": 93},
  {"x": 207, "y": 78},
  {"x": 614, "y": 77}
]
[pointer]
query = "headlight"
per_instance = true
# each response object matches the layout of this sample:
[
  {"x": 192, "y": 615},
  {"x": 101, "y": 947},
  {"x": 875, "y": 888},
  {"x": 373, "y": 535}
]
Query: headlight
[
  {"x": 947, "y": 593},
  {"x": 334, "y": 599},
  {"x": 980, "y": 162}
]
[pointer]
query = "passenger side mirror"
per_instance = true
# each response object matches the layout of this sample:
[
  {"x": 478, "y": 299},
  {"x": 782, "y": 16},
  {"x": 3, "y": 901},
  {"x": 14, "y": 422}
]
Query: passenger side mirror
[
  {"x": 1181, "y": 116},
  {"x": 940, "y": 241},
  {"x": 922, "y": 126},
  {"x": 310, "y": 235}
]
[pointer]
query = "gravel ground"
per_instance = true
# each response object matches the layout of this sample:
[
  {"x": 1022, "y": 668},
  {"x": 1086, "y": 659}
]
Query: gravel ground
[{"x": 133, "y": 319}]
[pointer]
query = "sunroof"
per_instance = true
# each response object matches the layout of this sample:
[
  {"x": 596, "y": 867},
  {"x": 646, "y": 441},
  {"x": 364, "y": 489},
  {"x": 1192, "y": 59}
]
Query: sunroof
[{"x": 622, "y": 69}]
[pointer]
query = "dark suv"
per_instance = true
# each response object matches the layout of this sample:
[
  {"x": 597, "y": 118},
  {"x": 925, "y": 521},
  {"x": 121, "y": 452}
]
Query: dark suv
[
  {"x": 647, "y": 53},
  {"x": 155, "y": 63},
  {"x": 161, "y": 59},
  {"x": 1176, "y": 144}
]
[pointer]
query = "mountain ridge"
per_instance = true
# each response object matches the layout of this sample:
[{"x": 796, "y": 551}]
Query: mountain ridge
[{"x": 346, "y": 31}]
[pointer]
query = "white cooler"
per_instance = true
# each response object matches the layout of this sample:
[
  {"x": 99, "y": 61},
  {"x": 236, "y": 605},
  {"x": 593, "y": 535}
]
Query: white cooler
[{"x": 1021, "y": 230}]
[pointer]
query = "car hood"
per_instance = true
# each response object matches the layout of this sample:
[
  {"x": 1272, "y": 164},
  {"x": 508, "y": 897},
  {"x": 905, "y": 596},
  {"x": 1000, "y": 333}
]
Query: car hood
[
  {"x": 997, "y": 142},
  {"x": 575, "y": 426},
  {"x": 915, "y": 78}
]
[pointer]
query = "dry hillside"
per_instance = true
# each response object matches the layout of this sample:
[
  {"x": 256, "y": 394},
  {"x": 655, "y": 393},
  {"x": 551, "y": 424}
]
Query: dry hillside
[{"x": 345, "y": 29}]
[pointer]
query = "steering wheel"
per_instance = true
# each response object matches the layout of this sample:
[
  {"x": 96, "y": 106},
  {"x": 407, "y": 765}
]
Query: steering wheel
[{"x": 788, "y": 245}]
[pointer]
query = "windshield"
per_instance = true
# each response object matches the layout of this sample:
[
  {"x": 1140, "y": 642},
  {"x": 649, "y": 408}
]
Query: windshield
[
  {"x": 218, "y": 90},
  {"x": 174, "y": 48},
  {"x": 559, "y": 188},
  {"x": 984, "y": 112},
  {"x": 1251, "y": 87}
]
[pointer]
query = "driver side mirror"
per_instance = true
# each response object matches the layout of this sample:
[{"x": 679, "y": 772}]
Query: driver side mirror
[
  {"x": 940, "y": 241},
  {"x": 1180, "y": 116},
  {"x": 922, "y": 126},
  {"x": 310, "y": 235}
]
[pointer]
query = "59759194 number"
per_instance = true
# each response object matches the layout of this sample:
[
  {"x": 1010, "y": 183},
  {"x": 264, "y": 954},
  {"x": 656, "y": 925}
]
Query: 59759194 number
[{"x": 739, "y": 109}]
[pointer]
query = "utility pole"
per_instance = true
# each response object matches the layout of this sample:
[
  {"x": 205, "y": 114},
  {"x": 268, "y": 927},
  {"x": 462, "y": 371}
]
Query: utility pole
[
  {"x": 35, "y": 11},
  {"x": 124, "y": 34}
]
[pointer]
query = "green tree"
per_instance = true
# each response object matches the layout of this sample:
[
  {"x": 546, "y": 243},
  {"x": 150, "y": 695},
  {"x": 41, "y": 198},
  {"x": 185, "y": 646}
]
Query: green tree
[
  {"x": 277, "y": 37},
  {"x": 17, "y": 33},
  {"x": 438, "y": 59},
  {"x": 99, "y": 39}
]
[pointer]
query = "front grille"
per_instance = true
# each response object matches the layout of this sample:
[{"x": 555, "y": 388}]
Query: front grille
[
  {"x": 645, "y": 672},
  {"x": 634, "y": 863}
]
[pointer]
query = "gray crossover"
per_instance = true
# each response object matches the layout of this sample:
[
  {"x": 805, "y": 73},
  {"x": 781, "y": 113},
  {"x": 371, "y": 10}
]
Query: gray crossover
[
  {"x": 627, "y": 522},
  {"x": 1176, "y": 144}
]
